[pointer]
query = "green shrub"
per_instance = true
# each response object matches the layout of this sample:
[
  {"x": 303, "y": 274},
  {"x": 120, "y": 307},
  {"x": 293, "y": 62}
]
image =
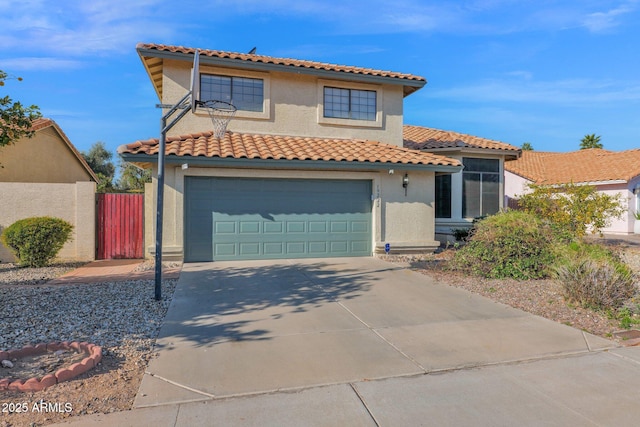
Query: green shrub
[
  {"x": 594, "y": 277},
  {"x": 573, "y": 209},
  {"x": 509, "y": 244},
  {"x": 36, "y": 241}
]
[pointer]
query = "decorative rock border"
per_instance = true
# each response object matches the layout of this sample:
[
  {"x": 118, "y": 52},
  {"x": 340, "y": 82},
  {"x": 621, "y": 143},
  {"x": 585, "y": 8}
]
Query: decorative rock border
[{"x": 94, "y": 356}]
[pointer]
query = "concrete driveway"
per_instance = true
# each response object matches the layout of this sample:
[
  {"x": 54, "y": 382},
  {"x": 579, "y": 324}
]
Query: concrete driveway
[{"x": 257, "y": 327}]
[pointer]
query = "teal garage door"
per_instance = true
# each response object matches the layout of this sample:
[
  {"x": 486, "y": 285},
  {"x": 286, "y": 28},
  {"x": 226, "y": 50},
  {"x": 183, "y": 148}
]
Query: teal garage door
[{"x": 233, "y": 219}]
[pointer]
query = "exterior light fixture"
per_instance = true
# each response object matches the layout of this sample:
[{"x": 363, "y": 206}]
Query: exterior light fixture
[{"x": 405, "y": 183}]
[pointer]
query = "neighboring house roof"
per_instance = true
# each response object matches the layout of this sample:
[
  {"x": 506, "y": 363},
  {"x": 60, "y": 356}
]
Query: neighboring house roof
[
  {"x": 423, "y": 138},
  {"x": 152, "y": 56},
  {"x": 44, "y": 123},
  {"x": 593, "y": 165},
  {"x": 253, "y": 147}
]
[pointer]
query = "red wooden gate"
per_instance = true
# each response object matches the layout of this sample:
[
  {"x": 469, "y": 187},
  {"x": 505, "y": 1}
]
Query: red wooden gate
[{"x": 120, "y": 226}]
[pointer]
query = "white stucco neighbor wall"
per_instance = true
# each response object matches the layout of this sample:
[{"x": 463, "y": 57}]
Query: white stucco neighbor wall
[
  {"x": 75, "y": 203},
  {"x": 623, "y": 225},
  {"x": 405, "y": 222},
  {"x": 514, "y": 185}
]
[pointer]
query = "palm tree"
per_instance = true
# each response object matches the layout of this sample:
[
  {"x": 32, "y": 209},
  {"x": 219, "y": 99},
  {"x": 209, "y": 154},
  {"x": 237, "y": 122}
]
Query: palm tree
[
  {"x": 526, "y": 146},
  {"x": 590, "y": 141}
]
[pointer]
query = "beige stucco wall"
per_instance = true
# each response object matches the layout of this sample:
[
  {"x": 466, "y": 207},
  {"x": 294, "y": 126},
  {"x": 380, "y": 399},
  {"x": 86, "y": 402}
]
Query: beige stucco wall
[
  {"x": 43, "y": 158},
  {"x": 75, "y": 203},
  {"x": 292, "y": 107},
  {"x": 405, "y": 222}
]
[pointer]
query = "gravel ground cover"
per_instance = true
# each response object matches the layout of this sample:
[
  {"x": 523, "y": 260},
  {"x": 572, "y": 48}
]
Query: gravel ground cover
[{"x": 122, "y": 317}]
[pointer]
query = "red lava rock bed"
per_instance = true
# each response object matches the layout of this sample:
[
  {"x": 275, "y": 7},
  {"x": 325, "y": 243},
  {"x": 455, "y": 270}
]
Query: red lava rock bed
[{"x": 92, "y": 353}]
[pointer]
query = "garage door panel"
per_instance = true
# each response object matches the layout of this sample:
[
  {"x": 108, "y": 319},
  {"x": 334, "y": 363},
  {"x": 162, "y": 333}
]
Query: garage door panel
[
  {"x": 256, "y": 218},
  {"x": 317, "y": 227}
]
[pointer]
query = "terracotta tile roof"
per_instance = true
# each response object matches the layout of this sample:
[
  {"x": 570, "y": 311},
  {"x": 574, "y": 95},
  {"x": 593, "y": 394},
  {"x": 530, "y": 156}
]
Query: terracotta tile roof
[
  {"x": 273, "y": 147},
  {"x": 582, "y": 166},
  {"x": 293, "y": 63},
  {"x": 423, "y": 138},
  {"x": 43, "y": 123}
]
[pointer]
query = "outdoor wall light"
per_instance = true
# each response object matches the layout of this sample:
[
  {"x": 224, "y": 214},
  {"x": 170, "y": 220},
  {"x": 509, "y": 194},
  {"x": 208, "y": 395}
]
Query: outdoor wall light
[
  {"x": 391, "y": 171},
  {"x": 185, "y": 166},
  {"x": 405, "y": 183}
]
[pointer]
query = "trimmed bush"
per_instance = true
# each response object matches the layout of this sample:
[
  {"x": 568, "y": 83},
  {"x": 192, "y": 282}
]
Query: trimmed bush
[
  {"x": 594, "y": 277},
  {"x": 511, "y": 244},
  {"x": 36, "y": 241}
]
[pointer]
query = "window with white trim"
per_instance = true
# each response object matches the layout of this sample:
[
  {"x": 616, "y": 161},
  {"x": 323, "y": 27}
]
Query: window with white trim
[
  {"x": 246, "y": 94},
  {"x": 480, "y": 187},
  {"x": 354, "y": 104}
]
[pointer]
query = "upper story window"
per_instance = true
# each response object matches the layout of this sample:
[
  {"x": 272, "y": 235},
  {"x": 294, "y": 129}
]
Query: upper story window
[
  {"x": 246, "y": 94},
  {"x": 351, "y": 104}
]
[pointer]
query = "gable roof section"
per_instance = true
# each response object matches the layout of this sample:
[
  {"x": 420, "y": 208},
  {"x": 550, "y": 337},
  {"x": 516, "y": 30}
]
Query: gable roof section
[
  {"x": 303, "y": 151},
  {"x": 423, "y": 138},
  {"x": 44, "y": 123},
  {"x": 152, "y": 56},
  {"x": 593, "y": 165}
]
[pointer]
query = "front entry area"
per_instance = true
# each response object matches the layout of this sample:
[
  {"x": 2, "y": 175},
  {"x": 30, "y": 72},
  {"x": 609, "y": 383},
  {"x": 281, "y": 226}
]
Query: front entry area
[{"x": 241, "y": 219}]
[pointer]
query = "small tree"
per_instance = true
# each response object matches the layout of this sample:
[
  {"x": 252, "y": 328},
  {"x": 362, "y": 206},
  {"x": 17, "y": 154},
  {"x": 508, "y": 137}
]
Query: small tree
[
  {"x": 99, "y": 160},
  {"x": 527, "y": 146},
  {"x": 590, "y": 141},
  {"x": 573, "y": 209},
  {"x": 132, "y": 178},
  {"x": 16, "y": 120}
]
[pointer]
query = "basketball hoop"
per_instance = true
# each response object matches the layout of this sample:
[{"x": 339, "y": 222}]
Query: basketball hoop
[{"x": 221, "y": 114}]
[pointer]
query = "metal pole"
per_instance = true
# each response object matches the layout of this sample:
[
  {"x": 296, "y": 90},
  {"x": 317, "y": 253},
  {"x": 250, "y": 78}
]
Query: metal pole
[
  {"x": 182, "y": 105},
  {"x": 160, "y": 203}
]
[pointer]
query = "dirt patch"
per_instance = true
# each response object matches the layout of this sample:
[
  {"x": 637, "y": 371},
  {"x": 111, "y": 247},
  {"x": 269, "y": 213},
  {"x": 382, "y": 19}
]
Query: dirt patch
[{"x": 40, "y": 365}]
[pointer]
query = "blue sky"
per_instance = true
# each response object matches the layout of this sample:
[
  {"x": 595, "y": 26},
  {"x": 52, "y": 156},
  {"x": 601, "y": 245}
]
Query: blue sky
[{"x": 544, "y": 72}]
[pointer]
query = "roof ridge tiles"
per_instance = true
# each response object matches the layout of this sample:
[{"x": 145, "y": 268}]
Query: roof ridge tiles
[{"x": 267, "y": 59}]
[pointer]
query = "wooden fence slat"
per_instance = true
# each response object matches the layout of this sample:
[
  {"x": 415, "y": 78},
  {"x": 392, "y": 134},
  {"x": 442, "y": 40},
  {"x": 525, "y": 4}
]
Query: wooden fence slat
[{"x": 120, "y": 227}]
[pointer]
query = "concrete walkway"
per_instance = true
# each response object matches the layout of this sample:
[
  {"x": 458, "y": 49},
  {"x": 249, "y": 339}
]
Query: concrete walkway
[
  {"x": 359, "y": 341},
  {"x": 111, "y": 270}
]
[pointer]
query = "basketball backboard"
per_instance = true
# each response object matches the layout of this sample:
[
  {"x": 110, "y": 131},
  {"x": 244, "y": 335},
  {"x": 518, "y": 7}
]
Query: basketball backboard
[{"x": 195, "y": 81}]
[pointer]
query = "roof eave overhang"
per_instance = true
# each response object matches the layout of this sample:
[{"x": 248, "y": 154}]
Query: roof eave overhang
[
  {"x": 148, "y": 55},
  {"x": 509, "y": 154},
  {"x": 146, "y": 159},
  {"x": 590, "y": 183}
]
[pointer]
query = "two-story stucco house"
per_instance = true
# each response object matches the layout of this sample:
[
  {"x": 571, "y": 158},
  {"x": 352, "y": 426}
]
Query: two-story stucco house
[{"x": 312, "y": 164}]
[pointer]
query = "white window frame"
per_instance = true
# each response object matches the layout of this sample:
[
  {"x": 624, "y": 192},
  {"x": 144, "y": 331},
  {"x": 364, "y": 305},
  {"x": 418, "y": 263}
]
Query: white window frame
[
  {"x": 266, "y": 87},
  {"x": 499, "y": 174},
  {"x": 377, "y": 123}
]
